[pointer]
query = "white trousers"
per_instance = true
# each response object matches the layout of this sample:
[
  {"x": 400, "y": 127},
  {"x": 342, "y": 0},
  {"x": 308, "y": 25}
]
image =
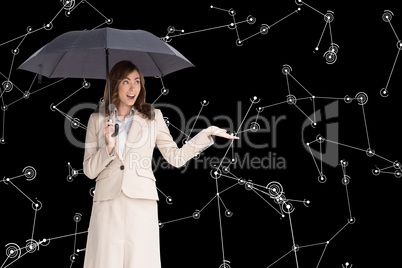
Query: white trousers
[{"x": 123, "y": 233}]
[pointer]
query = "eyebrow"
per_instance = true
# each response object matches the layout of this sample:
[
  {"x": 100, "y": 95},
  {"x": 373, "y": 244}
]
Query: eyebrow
[{"x": 134, "y": 78}]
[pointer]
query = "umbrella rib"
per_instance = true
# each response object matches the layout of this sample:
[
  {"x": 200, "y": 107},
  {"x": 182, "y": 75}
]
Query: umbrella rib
[
  {"x": 155, "y": 64},
  {"x": 54, "y": 69}
]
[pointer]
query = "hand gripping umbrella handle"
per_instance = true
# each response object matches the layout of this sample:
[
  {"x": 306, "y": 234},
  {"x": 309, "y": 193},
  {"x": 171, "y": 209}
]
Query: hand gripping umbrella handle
[{"x": 116, "y": 130}]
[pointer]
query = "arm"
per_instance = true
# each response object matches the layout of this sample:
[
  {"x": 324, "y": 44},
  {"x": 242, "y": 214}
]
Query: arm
[
  {"x": 175, "y": 156},
  {"x": 96, "y": 157}
]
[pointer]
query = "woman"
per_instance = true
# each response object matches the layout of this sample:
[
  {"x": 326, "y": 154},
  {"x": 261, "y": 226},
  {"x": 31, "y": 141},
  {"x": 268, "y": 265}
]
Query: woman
[{"x": 123, "y": 230}]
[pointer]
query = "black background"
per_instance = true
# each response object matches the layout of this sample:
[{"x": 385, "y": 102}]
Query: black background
[{"x": 227, "y": 76}]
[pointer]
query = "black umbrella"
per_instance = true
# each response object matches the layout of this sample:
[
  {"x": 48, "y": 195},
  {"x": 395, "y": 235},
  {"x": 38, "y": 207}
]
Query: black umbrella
[{"x": 87, "y": 54}]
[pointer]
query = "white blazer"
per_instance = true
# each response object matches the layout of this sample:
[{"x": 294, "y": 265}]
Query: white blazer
[{"x": 133, "y": 174}]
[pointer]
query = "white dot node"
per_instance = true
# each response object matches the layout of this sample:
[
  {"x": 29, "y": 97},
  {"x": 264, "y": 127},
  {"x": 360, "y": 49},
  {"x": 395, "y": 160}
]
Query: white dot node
[
  {"x": 316, "y": 48},
  {"x": 216, "y": 173},
  {"x": 308, "y": 144}
]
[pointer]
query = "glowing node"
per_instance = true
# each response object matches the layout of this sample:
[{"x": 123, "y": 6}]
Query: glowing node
[
  {"x": 31, "y": 246},
  {"x": 196, "y": 214},
  {"x": 329, "y": 17},
  {"x": 2, "y": 141},
  {"x": 351, "y": 220},
  {"x": 164, "y": 91},
  {"x": 295, "y": 248},
  {"x": 239, "y": 43},
  {"x": 29, "y": 29},
  {"x": 344, "y": 163},
  {"x": 316, "y": 48},
  {"x": 68, "y": 4},
  {"x": 260, "y": 109},
  {"x": 376, "y": 171},
  {"x": 45, "y": 242},
  {"x": 77, "y": 217},
  {"x": 167, "y": 39},
  {"x": 232, "y": 26},
  {"x": 361, "y": 98},
  {"x": 171, "y": 29},
  {"x": 185, "y": 140},
  {"x": 204, "y": 103},
  {"x": 322, "y": 178},
  {"x": 347, "y": 99},
  {"x": 397, "y": 173},
  {"x": 86, "y": 84},
  {"x": 287, "y": 208},
  {"x": 286, "y": 69},
  {"x": 29, "y": 173},
  {"x": 249, "y": 186},
  {"x": 345, "y": 180},
  {"x": 274, "y": 189},
  {"x": 370, "y": 152},
  {"x": 75, "y": 123},
  {"x": 169, "y": 200},
  {"x": 306, "y": 203},
  {"x": 232, "y": 12},
  {"x": 166, "y": 121},
  {"x": 251, "y": 19},
  {"x": 254, "y": 127},
  {"x": 52, "y": 107},
  {"x": 399, "y": 44},
  {"x": 72, "y": 257},
  {"x": 225, "y": 264},
  {"x": 291, "y": 99},
  {"x": 92, "y": 191},
  {"x": 37, "y": 206},
  {"x": 48, "y": 26},
  {"x": 7, "y": 86},
  {"x": 255, "y": 100},
  {"x": 396, "y": 164},
  {"x": 264, "y": 29},
  {"x": 387, "y": 16},
  {"x": 226, "y": 170},
  {"x": 228, "y": 213},
  {"x": 330, "y": 57},
  {"x": 215, "y": 174},
  {"x": 241, "y": 181},
  {"x": 15, "y": 51},
  {"x": 26, "y": 94},
  {"x": 161, "y": 224},
  {"x": 334, "y": 48},
  {"x": 13, "y": 251},
  {"x": 299, "y": 2},
  {"x": 109, "y": 21},
  {"x": 384, "y": 93},
  {"x": 319, "y": 138}
]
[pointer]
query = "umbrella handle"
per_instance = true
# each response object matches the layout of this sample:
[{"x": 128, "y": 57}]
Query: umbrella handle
[{"x": 116, "y": 130}]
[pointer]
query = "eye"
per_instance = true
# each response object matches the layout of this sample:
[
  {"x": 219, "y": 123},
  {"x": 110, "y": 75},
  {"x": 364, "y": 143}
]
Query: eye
[
  {"x": 125, "y": 82},
  {"x": 137, "y": 82}
]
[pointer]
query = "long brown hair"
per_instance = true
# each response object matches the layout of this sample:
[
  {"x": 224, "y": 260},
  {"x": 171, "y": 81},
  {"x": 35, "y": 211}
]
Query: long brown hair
[{"x": 120, "y": 71}]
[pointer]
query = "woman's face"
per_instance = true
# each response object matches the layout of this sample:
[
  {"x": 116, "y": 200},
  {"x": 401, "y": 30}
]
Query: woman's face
[{"x": 129, "y": 89}]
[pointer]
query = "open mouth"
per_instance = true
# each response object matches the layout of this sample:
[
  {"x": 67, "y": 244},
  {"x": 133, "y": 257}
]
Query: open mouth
[{"x": 130, "y": 97}]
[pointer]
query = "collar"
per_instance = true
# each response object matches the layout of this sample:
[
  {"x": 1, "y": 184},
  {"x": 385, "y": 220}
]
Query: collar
[{"x": 132, "y": 111}]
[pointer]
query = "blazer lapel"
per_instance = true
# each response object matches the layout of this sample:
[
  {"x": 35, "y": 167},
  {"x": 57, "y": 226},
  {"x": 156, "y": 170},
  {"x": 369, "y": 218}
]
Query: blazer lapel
[{"x": 134, "y": 130}]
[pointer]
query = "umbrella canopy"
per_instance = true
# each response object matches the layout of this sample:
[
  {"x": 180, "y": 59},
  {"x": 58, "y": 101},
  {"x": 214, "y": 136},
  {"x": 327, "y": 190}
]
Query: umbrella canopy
[{"x": 81, "y": 54}]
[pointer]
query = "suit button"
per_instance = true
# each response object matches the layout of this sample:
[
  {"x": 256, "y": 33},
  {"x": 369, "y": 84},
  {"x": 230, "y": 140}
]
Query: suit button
[{"x": 121, "y": 167}]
